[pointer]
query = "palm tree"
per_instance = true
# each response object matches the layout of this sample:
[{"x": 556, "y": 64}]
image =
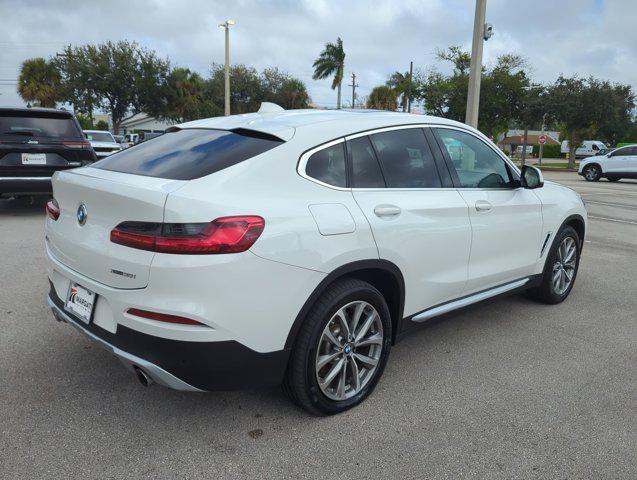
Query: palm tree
[
  {"x": 39, "y": 82},
  {"x": 330, "y": 62},
  {"x": 400, "y": 83}
]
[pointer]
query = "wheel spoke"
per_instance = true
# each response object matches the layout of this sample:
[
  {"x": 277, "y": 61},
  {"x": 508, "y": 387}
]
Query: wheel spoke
[
  {"x": 332, "y": 373},
  {"x": 365, "y": 328},
  {"x": 569, "y": 276},
  {"x": 332, "y": 339},
  {"x": 570, "y": 254},
  {"x": 325, "y": 359},
  {"x": 375, "y": 339},
  {"x": 340, "y": 390},
  {"x": 358, "y": 312},
  {"x": 342, "y": 319},
  {"x": 355, "y": 374},
  {"x": 372, "y": 362}
]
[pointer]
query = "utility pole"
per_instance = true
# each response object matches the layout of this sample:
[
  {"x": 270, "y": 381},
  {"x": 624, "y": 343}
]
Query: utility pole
[
  {"x": 353, "y": 85},
  {"x": 226, "y": 25},
  {"x": 411, "y": 74},
  {"x": 539, "y": 162},
  {"x": 475, "y": 74}
]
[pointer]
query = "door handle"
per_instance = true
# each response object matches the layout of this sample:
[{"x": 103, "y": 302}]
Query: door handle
[
  {"x": 387, "y": 211},
  {"x": 483, "y": 206}
]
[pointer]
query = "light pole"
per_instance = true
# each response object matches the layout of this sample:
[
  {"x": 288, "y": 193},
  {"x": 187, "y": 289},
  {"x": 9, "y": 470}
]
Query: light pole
[
  {"x": 481, "y": 32},
  {"x": 226, "y": 26}
]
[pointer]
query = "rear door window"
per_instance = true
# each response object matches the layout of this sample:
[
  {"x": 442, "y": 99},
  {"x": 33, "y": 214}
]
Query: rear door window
[
  {"x": 406, "y": 159},
  {"x": 189, "y": 153},
  {"x": 366, "y": 172},
  {"x": 45, "y": 125},
  {"x": 328, "y": 166}
]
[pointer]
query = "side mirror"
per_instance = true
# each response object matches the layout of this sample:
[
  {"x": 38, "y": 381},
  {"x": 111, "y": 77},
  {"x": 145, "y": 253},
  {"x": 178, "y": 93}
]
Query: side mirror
[{"x": 531, "y": 177}]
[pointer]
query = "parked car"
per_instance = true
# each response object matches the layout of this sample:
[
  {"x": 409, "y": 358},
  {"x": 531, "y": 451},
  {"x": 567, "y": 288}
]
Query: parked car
[
  {"x": 102, "y": 142},
  {"x": 586, "y": 149},
  {"x": 131, "y": 138},
  {"x": 121, "y": 140},
  {"x": 143, "y": 136},
  {"x": 35, "y": 143},
  {"x": 297, "y": 247},
  {"x": 614, "y": 165}
]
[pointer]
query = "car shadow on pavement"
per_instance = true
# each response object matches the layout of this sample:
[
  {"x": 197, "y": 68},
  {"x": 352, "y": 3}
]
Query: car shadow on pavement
[{"x": 23, "y": 206}]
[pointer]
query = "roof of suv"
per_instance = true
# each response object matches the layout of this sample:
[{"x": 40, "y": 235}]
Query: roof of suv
[
  {"x": 341, "y": 122},
  {"x": 35, "y": 110}
]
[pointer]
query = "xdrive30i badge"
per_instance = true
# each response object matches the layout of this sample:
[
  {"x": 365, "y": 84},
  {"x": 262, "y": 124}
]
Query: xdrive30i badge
[{"x": 81, "y": 214}]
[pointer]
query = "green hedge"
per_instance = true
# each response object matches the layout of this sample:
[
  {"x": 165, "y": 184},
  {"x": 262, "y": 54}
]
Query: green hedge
[{"x": 550, "y": 151}]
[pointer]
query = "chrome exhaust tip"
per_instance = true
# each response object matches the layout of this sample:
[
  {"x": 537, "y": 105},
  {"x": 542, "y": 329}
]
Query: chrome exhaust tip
[{"x": 143, "y": 377}]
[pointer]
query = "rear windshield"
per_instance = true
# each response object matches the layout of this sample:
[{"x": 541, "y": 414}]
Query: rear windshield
[
  {"x": 41, "y": 125},
  {"x": 189, "y": 153},
  {"x": 99, "y": 137}
]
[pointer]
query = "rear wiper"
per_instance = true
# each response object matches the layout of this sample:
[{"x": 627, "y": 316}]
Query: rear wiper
[{"x": 24, "y": 132}]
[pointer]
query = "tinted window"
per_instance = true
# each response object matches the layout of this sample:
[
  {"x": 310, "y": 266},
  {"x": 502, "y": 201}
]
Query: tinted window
[
  {"x": 477, "y": 165},
  {"x": 47, "y": 125},
  {"x": 328, "y": 166},
  {"x": 624, "y": 151},
  {"x": 99, "y": 137},
  {"x": 406, "y": 159},
  {"x": 365, "y": 169},
  {"x": 189, "y": 153}
]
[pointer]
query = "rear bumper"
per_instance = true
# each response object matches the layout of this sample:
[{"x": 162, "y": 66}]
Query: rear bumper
[
  {"x": 25, "y": 185},
  {"x": 183, "y": 365}
]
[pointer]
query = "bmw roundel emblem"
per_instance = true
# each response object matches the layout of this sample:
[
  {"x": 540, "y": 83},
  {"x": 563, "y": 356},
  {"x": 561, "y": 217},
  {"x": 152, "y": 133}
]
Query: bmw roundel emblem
[{"x": 81, "y": 214}]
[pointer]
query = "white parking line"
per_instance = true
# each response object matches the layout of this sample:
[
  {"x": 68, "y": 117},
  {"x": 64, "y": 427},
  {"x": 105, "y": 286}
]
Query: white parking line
[
  {"x": 612, "y": 220},
  {"x": 592, "y": 202}
]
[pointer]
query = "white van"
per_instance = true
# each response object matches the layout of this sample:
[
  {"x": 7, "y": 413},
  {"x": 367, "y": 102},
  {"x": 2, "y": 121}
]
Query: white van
[{"x": 586, "y": 149}]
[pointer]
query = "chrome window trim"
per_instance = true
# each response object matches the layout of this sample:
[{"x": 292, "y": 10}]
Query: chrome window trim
[{"x": 300, "y": 169}]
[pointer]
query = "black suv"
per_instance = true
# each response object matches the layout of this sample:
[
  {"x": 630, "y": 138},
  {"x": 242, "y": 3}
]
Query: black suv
[{"x": 36, "y": 142}]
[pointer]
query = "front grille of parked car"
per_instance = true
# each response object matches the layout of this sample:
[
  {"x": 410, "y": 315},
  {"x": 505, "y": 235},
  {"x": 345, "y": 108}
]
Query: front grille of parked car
[{"x": 105, "y": 149}]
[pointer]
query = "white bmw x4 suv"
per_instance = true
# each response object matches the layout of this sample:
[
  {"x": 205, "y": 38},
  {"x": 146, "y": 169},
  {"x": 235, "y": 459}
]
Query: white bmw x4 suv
[{"x": 296, "y": 247}]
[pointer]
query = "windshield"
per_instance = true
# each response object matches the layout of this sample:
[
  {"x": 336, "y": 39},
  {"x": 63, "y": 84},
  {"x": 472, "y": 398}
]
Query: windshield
[
  {"x": 99, "y": 137},
  {"x": 27, "y": 124}
]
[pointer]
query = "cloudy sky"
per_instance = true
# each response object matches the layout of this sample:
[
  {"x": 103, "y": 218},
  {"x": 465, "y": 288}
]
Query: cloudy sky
[{"x": 585, "y": 37}]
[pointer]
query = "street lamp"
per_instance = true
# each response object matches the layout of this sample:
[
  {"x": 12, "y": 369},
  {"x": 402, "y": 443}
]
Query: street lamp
[{"x": 226, "y": 26}]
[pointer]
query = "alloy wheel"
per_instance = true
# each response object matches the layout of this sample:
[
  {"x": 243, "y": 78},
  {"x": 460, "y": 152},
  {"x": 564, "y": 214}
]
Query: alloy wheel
[
  {"x": 349, "y": 350},
  {"x": 564, "y": 266},
  {"x": 591, "y": 173}
]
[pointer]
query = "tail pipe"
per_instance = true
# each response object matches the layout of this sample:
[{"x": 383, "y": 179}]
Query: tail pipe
[{"x": 143, "y": 377}]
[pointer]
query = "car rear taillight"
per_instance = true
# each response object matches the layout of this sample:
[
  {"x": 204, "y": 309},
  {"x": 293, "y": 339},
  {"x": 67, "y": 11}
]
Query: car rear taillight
[
  {"x": 53, "y": 209},
  {"x": 80, "y": 145},
  {"x": 223, "y": 235},
  {"x": 163, "y": 317}
]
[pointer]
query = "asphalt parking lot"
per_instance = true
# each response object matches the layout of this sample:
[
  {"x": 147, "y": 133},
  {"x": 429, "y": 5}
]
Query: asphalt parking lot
[{"x": 506, "y": 389}]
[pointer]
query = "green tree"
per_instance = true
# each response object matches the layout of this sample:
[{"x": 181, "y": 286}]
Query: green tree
[
  {"x": 590, "y": 108},
  {"x": 331, "y": 61},
  {"x": 283, "y": 89},
  {"x": 502, "y": 92},
  {"x": 400, "y": 82},
  {"x": 184, "y": 96},
  {"x": 39, "y": 82},
  {"x": 101, "y": 125},
  {"x": 382, "y": 98}
]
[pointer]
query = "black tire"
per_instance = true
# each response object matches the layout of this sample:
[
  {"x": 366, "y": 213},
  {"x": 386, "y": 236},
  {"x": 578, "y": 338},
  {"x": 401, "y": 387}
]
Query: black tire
[
  {"x": 613, "y": 179},
  {"x": 592, "y": 173},
  {"x": 301, "y": 383},
  {"x": 545, "y": 292}
]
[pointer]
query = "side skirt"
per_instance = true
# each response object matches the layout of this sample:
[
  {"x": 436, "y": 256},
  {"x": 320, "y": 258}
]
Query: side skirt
[{"x": 501, "y": 290}]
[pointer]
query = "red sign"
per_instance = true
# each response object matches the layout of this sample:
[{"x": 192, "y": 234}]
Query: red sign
[
  {"x": 522, "y": 139},
  {"x": 542, "y": 139}
]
